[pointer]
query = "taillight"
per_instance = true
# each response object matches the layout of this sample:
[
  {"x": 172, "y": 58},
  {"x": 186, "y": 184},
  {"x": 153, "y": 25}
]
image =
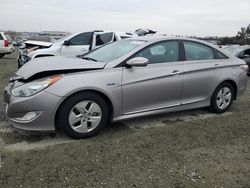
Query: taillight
[
  {"x": 6, "y": 43},
  {"x": 245, "y": 67}
]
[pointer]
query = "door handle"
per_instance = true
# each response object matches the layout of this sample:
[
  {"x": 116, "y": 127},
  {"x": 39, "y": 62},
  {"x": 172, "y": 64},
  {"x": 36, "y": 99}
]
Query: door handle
[
  {"x": 216, "y": 65},
  {"x": 175, "y": 72}
]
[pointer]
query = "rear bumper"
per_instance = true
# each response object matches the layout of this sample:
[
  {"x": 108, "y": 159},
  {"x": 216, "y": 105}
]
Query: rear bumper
[
  {"x": 7, "y": 50},
  {"x": 242, "y": 83}
]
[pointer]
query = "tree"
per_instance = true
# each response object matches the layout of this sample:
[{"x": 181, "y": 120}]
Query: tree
[
  {"x": 242, "y": 33},
  {"x": 242, "y": 37}
]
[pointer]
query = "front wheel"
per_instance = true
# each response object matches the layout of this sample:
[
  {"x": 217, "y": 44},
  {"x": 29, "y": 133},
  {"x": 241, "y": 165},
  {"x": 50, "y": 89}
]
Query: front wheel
[
  {"x": 222, "y": 98},
  {"x": 83, "y": 115}
]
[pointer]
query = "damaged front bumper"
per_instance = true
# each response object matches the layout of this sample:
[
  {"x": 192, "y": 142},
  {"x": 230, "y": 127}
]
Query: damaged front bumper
[
  {"x": 24, "y": 57},
  {"x": 31, "y": 113}
]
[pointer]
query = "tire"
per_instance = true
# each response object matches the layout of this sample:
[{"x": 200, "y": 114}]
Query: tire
[
  {"x": 222, "y": 98},
  {"x": 1, "y": 55},
  {"x": 83, "y": 115}
]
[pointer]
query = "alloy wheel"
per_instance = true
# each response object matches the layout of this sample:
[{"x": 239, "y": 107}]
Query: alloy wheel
[
  {"x": 85, "y": 116},
  {"x": 224, "y": 98}
]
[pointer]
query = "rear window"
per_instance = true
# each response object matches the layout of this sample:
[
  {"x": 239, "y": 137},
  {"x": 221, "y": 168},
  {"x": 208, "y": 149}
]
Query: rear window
[{"x": 8, "y": 38}]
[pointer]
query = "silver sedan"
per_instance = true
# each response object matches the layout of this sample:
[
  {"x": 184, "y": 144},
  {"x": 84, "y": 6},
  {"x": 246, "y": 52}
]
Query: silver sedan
[{"x": 126, "y": 79}]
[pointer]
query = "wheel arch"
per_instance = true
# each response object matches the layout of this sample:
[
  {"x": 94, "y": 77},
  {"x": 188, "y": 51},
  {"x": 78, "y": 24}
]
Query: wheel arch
[
  {"x": 233, "y": 83},
  {"x": 106, "y": 98}
]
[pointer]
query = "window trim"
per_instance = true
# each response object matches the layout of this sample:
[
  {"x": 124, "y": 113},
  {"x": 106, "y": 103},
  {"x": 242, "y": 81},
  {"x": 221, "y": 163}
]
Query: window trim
[{"x": 180, "y": 54}]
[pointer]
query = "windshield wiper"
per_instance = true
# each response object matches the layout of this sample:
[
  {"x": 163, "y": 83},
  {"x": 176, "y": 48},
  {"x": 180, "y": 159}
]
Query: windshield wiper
[{"x": 89, "y": 58}]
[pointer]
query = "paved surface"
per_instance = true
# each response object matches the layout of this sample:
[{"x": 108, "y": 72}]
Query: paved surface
[{"x": 185, "y": 149}]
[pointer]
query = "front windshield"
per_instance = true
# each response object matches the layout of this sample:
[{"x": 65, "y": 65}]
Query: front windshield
[{"x": 114, "y": 50}]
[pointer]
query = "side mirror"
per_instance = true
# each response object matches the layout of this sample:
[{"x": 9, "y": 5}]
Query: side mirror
[
  {"x": 66, "y": 43},
  {"x": 137, "y": 62}
]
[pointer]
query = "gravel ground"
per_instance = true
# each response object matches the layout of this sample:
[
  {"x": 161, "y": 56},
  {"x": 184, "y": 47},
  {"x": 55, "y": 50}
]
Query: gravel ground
[{"x": 186, "y": 149}]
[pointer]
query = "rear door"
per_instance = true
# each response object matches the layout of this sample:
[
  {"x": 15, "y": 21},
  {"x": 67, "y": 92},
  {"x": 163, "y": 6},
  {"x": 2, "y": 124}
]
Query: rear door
[
  {"x": 102, "y": 39},
  {"x": 201, "y": 72},
  {"x": 78, "y": 45},
  {"x": 157, "y": 85}
]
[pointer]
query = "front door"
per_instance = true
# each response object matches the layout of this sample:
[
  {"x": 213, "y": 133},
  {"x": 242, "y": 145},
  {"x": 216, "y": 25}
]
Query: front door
[
  {"x": 78, "y": 45},
  {"x": 157, "y": 85}
]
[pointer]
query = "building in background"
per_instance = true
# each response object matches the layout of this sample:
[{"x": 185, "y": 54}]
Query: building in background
[
  {"x": 46, "y": 36},
  {"x": 53, "y": 35}
]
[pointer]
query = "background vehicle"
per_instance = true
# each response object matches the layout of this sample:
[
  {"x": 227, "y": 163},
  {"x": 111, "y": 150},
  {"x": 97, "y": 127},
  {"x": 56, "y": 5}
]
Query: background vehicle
[
  {"x": 242, "y": 52},
  {"x": 76, "y": 44},
  {"x": 82, "y": 94},
  {"x": 6, "y": 46},
  {"x": 27, "y": 47}
]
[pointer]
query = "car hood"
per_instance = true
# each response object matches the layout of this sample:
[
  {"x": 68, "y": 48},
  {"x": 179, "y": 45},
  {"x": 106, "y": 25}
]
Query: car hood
[
  {"x": 39, "y": 43},
  {"x": 47, "y": 66}
]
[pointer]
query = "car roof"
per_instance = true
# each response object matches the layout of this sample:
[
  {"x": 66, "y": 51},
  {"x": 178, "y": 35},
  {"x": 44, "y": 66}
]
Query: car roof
[
  {"x": 152, "y": 39},
  {"x": 102, "y": 32}
]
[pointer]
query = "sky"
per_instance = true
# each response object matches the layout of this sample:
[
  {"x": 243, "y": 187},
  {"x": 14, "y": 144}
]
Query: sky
[{"x": 178, "y": 17}]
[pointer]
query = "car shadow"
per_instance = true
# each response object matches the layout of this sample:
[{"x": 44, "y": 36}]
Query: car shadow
[{"x": 15, "y": 139}]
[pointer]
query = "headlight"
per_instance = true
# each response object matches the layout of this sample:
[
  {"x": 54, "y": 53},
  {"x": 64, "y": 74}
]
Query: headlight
[{"x": 34, "y": 87}]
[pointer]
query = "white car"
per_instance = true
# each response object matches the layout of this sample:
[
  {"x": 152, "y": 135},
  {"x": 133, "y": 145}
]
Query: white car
[
  {"x": 6, "y": 46},
  {"x": 73, "y": 45}
]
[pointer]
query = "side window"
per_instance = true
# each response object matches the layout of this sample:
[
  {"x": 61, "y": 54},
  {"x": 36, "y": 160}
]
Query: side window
[
  {"x": 125, "y": 37},
  {"x": 161, "y": 53},
  {"x": 102, "y": 39},
  {"x": 1, "y": 37},
  {"x": 81, "y": 39},
  {"x": 196, "y": 51},
  {"x": 220, "y": 55}
]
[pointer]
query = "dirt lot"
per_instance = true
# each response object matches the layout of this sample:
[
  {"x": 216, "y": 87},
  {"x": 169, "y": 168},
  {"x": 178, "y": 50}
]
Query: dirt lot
[{"x": 188, "y": 149}]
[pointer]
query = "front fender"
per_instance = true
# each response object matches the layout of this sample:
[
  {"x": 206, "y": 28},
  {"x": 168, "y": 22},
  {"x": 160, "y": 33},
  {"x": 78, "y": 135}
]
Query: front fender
[{"x": 105, "y": 81}]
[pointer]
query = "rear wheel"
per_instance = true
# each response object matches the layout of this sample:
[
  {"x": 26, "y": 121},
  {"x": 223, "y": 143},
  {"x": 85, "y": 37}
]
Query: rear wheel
[
  {"x": 83, "y": 115},
  {"x": 222, "y": 98}
]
